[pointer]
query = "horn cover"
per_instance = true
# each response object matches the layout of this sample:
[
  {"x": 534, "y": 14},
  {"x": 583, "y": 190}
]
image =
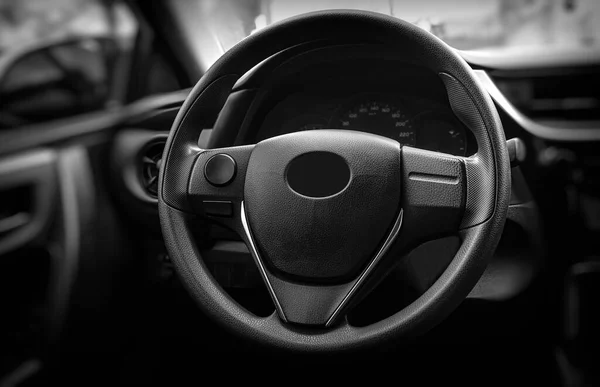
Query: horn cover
[{"x": 319, "y": 203}]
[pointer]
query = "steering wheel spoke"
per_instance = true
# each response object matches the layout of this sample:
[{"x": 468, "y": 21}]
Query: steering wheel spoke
[
  {"x": 216, "y": 184},
  {"x": 433, "y": 195},
  {"x": 315, "y": 304}
]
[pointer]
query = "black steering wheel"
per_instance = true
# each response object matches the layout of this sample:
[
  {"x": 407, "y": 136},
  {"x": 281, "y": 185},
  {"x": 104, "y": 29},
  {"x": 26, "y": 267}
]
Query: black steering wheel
[{"x": 327, "y": 213}]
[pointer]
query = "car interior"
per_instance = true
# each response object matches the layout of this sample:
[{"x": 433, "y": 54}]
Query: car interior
[{"x": 398, "y": 190}]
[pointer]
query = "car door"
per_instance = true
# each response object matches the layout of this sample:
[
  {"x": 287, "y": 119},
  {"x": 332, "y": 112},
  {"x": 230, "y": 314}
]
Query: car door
[{"x": 71, "y": 74}]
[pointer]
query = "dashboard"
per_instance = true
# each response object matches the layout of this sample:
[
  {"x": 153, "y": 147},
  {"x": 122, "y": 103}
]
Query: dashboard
[{"x": 412, "y": 121}]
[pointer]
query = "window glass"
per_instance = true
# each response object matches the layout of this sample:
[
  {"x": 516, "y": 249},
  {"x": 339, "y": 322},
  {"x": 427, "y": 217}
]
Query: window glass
[
  {"x": 482, "y": 25},
  {"x": 58, "y": 58}
]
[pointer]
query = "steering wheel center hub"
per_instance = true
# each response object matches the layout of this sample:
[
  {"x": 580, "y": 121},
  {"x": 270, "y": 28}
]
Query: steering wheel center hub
[{"x": 312, "y": 196}]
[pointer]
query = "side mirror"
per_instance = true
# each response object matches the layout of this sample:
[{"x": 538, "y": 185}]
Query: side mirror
[{"x": 56, "y": 80}]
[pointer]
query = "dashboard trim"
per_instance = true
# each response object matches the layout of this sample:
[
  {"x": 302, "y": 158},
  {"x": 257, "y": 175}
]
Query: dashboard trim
[
  {"x": 539, "y": 130},
  {"x": 536, "y": 58}
]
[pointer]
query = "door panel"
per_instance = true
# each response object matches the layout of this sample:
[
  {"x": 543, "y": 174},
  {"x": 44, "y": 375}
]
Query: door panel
[
  {"x": 28, "y": 192},
  {"x": 66, "y": 258}
]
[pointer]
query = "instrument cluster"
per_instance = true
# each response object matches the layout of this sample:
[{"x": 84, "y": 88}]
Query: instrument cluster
[{"x": 412, "y": 121}]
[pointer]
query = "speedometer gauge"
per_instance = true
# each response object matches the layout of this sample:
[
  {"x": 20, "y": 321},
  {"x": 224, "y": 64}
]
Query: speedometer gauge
[
  {"x": 377, "y": 117},
  {"x": 441, "y": 132},
  {"x": 304, "y": 122}
]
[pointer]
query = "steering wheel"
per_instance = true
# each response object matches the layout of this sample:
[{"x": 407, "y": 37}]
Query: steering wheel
[{"x": 327, "y": 213}]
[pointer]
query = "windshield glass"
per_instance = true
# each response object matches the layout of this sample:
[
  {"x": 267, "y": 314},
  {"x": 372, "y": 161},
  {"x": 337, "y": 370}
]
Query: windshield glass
[{"x": 476, "y": 25}]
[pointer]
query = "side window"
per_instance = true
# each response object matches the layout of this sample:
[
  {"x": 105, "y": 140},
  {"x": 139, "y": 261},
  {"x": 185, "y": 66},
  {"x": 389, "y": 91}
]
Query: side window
[{"x": 61, "y": 58}]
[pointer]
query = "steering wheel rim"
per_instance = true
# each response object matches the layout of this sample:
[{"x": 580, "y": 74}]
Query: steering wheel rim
[{"x": 485, "y": 177}]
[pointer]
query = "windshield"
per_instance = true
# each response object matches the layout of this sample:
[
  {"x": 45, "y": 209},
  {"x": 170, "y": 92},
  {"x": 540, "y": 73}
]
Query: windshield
[{"x": 476, "y": 25}]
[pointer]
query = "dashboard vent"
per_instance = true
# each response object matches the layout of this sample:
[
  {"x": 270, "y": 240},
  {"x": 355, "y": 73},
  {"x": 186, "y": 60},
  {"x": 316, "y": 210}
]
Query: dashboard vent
[
  {"x": 559, "y": 96},
  {"x": 151, "y": 160}
]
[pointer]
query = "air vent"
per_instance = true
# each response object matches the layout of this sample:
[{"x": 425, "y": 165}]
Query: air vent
[
  {"x": 151, "y": 159},
  {"x": 562, "y": 96}
]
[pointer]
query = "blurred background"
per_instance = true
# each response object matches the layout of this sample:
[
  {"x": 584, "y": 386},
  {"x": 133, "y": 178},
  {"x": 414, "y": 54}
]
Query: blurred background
[
  {"x": 93, "y": 39},
  {"x": 465, "y": 25}
]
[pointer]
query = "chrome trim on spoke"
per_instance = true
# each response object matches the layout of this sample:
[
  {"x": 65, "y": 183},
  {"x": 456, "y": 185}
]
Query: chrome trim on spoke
[
  {"x": 363, "y": 276},
  {"x": 259, "y": 264}
]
